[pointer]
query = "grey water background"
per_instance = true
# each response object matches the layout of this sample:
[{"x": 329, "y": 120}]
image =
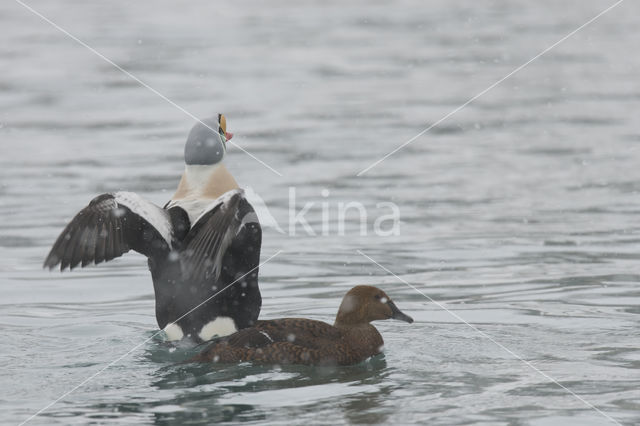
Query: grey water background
[{"x": 521, "y": 213}]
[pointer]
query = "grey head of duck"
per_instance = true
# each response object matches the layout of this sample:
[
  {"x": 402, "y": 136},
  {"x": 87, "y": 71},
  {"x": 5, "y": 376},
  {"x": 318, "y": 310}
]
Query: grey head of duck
[
  {"x": 207, "y": 141},
  {"x": 364, "y": 303}
]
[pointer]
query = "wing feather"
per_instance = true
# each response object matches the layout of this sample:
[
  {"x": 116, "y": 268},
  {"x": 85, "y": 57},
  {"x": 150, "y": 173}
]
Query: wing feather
[
  {"x": 100, "y": 240},
  {"x": 88, "y": 243},
  {"x": 111, "y": 225},
  {"x": 208, "y": 240},
  {"x": 74, "y": 246}
]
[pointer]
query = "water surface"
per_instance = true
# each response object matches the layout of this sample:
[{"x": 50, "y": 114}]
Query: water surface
[{"x": 519, "y": 213}]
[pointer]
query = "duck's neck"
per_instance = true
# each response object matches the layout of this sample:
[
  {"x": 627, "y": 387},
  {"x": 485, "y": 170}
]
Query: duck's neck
[
  {"x": 199, "y": 181},
  {"x": 350, "y": 314},
  {"x": 347, "y": 321},
  {"x": 368, "y": 339}
]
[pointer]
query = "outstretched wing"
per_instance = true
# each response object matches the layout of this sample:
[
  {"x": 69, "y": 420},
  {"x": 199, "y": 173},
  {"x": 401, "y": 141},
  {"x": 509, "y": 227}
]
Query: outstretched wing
[
  {"x": 211, "y": 236},
  {"x": 111, "y": 225}
]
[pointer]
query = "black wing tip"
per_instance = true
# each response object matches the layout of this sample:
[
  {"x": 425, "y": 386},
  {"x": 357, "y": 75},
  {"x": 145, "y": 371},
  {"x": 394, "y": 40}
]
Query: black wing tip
[
  {"x": 51, "y": 266},
  {"x": 50, "y": 262}
]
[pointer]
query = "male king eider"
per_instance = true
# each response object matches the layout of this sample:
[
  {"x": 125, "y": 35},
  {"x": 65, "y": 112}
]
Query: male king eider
[{"x": 204, "y": 242}]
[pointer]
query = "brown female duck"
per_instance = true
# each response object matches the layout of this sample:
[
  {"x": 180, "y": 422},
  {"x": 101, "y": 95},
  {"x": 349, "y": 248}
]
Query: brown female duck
[{"x": 350, "y": 340}]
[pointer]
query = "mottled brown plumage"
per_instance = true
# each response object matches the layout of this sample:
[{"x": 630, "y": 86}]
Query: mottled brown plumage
[{"x": 350, "y": 340}]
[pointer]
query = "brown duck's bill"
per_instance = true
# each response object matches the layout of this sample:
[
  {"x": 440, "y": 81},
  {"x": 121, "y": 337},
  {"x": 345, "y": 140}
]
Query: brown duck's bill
[{"x": 398, "y": 314}]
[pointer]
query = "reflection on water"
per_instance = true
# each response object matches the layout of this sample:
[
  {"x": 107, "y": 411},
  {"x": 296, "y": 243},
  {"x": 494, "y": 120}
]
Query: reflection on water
[
  {"x": 519, "y": 213},
  {"x": 220, "y": 393}
]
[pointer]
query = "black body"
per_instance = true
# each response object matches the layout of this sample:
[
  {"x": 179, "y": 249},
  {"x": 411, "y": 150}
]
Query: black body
[
  {"x": 234, "y": 293},
  {"x": 207, "y": 270}
]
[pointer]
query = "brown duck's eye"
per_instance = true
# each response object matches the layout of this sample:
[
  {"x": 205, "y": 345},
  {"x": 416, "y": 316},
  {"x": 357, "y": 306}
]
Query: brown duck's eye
[{"x": 377, "y": 296}]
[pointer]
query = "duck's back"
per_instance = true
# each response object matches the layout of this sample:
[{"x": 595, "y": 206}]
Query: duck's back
[
  {"x": 303, "y": 332},
  {"x": 296, "y": 341}
]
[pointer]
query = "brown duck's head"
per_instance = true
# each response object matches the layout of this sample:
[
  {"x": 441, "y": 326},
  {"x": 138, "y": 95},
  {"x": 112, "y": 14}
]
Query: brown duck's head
[{"x": 364, "y": 303}]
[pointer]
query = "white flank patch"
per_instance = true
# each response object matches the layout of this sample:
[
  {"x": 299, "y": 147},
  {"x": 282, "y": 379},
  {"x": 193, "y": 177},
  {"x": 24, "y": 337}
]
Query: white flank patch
[
  {"x": 156, "y": 216},
  {"x": 221, "y": 326},
  {"x": 174, "y": 331}
]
